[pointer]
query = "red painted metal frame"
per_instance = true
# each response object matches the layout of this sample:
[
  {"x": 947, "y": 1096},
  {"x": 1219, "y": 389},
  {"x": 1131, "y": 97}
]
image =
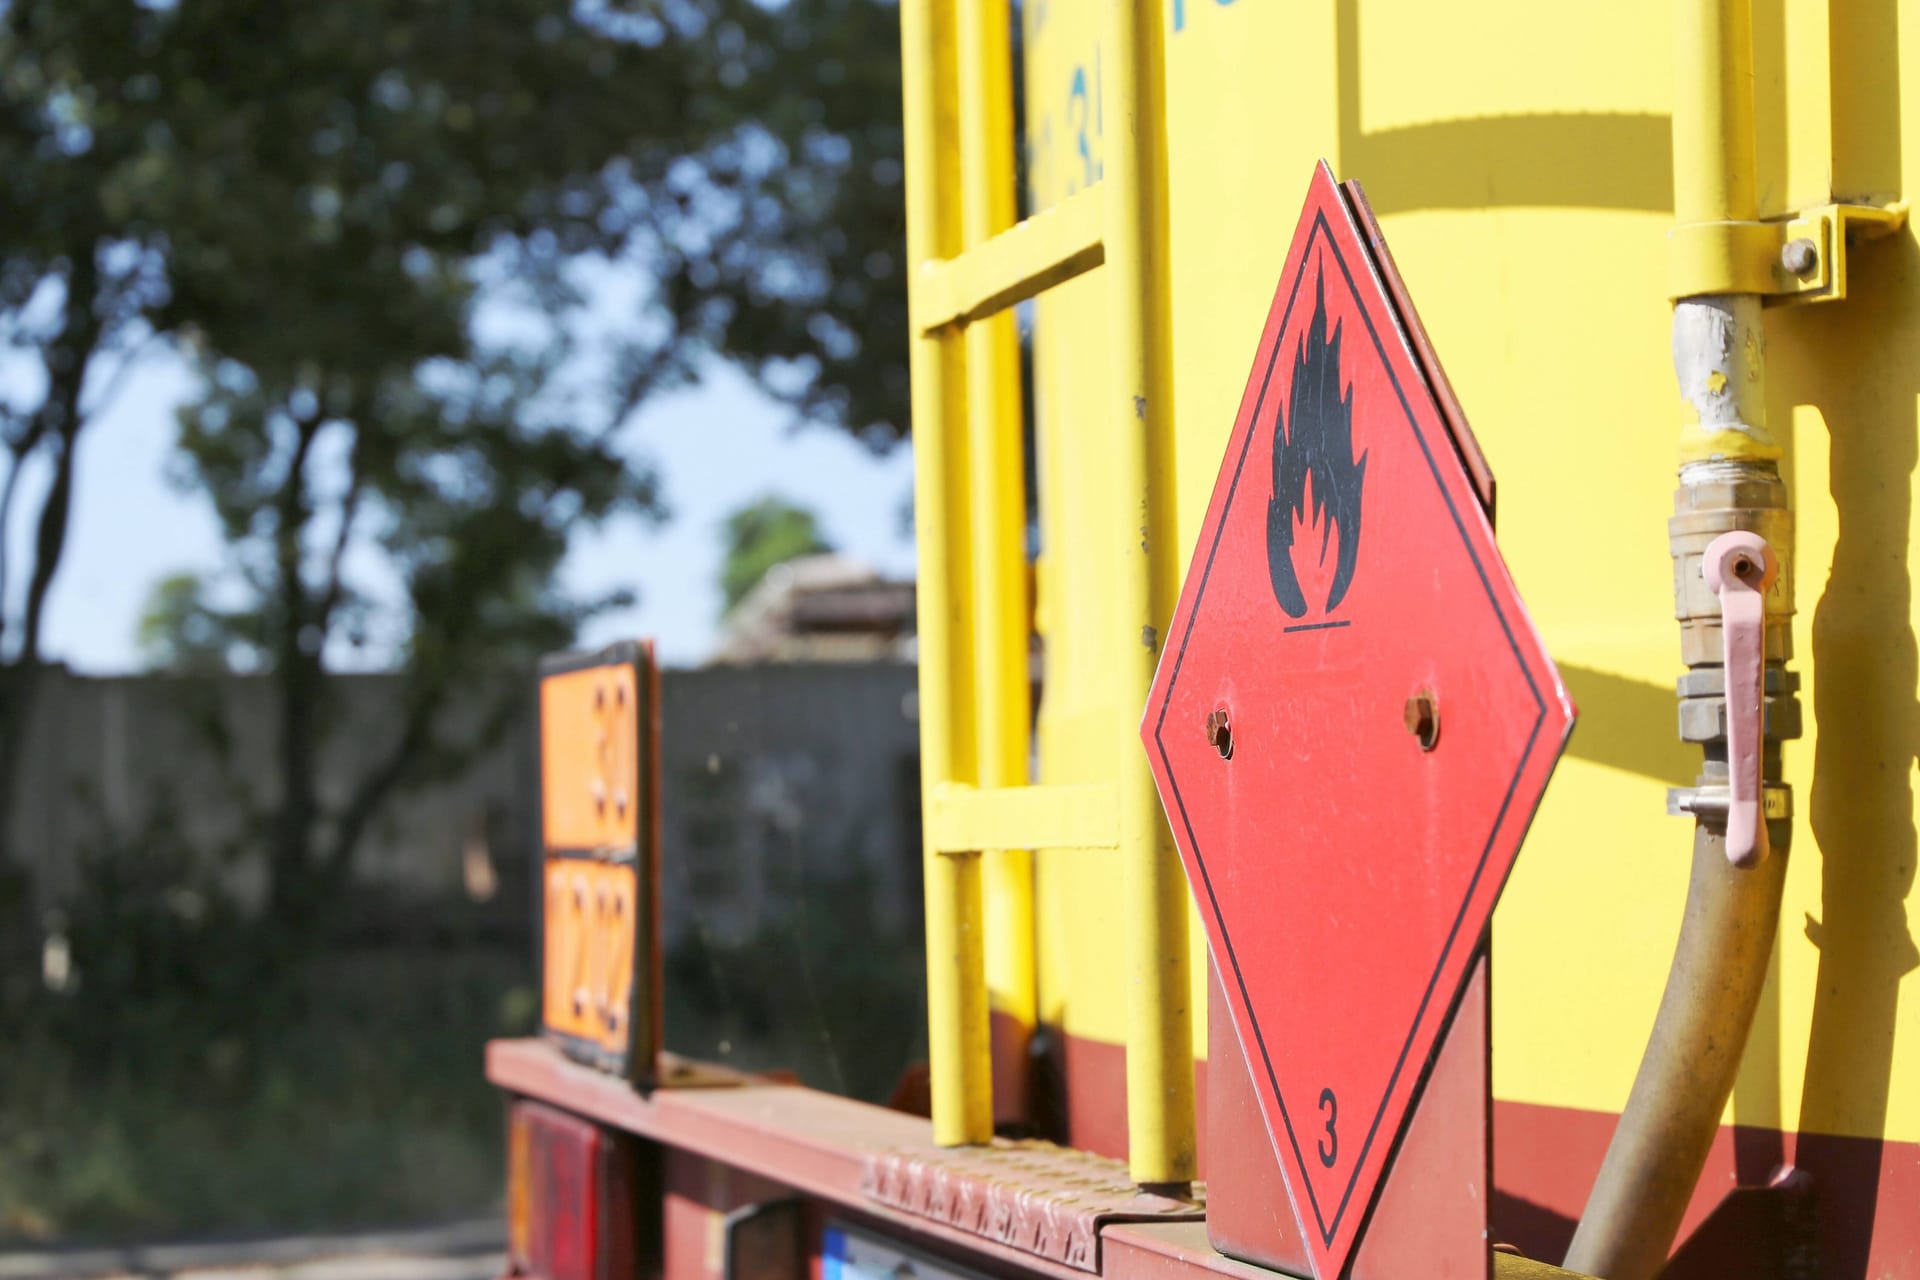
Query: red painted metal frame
[
  {"x": 822, "y": 1146},
  {"x": 1431, "y": 1216}
]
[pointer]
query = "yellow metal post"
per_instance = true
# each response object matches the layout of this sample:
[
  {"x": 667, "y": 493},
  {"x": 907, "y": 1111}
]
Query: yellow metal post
[
  {"x": 1160, "y": 1116},
  {"x": 998, "y": 519},
  {"x": 957, "y": 1027},
  {"x": 967, "y": 268}
]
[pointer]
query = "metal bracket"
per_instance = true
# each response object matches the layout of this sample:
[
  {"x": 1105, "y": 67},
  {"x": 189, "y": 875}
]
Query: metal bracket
[{"x": 1801, "y": 258}]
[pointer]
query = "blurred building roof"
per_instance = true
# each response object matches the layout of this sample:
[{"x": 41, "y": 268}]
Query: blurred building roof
[{"x": 820, "y": 608}]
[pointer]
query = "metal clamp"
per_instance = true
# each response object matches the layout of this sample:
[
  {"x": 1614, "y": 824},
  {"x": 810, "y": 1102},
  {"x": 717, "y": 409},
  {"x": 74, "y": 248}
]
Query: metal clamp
[{"x": 1802, "y": 258}]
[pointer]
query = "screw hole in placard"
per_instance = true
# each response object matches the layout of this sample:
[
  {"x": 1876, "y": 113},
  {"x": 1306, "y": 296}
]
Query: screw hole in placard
[
  {"x": 1220, "y": 732},
  {"x": 1423, "y": 719}
]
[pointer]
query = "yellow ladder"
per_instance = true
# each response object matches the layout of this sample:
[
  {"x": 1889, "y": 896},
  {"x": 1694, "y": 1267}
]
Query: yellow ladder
[{"x": 969, "y": 263}]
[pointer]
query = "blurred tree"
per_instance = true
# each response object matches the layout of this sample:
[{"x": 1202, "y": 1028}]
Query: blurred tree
[
  {"x": 760, "y": 535},
  {"x": 181, "y": 631},
  {"x": 469, "y": 489},
  {"x": 375, "y": 228},
  {"x": 79, "y": 285}
]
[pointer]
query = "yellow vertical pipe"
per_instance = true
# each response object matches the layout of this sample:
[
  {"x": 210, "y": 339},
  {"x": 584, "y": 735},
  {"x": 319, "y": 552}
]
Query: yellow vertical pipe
[
  {"x": 1714, "y": 156},
  {"x": 1000, "y": 613},
  {"x": 1719, "y": 340},
  {"x": 957, "y": 1028},
  {"x": 1713, "y": 133},
  {"x": 1160, "y": 1120}
]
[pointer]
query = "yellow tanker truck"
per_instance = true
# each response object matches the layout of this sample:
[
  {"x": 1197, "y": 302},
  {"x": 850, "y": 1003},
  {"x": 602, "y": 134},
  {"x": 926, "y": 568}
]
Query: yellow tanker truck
[{"x": 1662, "y": 249}]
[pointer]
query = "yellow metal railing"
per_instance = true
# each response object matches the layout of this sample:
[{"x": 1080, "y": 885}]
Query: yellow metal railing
[
  {"x": 1159, "y": 1023},
  {"x": 970, "y": 263},
  {"x": 1049, "y": 248}
]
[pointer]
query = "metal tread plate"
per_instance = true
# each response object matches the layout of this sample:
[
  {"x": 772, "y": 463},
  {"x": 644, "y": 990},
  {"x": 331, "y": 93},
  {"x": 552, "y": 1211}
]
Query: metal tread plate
[{"x": 1029, "y": 1195}]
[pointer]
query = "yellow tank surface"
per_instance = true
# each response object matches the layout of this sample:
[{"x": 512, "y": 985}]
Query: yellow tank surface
[{"x": 1520, "y": 158}]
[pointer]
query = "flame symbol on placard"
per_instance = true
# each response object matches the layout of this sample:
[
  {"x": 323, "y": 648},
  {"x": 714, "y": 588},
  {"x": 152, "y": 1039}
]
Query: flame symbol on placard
[{"x": 1316, "y": 479}]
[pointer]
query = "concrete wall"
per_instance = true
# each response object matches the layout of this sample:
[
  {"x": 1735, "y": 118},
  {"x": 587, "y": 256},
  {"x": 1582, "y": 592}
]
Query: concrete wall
[
  {"x": 792, "y": 886},
  {"x": 118, "y": 761},
  {"x": 796, "y": 769},
  {"x": 778, "y": 775},
  {"x": 790, "y": 827}
]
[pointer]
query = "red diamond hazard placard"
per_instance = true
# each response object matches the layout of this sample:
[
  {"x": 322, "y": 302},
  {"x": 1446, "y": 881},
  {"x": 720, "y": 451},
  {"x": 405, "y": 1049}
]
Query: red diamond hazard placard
[{"x": 1351, "y": 725}]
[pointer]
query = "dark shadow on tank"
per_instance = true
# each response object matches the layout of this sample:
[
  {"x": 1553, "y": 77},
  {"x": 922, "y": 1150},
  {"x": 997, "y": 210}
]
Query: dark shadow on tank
[
  {"x": 1770, "y": 103},
  {"x": 1857, "y": 370},
  {"x": 1545, "y": 160},
  {"x": 1534, "y": 1229},
  {"x": 1864, "y": 40},
  {"x": 1759, "y": 1147},
  {"x": 1757, "y": 1233},
  {"x": 1629, "y": 724}
]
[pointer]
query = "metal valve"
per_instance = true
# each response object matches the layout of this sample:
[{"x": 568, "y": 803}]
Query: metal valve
[{"x": 1739, "y": 567}]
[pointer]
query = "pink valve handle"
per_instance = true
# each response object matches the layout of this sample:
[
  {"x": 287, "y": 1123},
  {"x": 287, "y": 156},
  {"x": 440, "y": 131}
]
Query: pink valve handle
[{"x": 1739, "y": 567}]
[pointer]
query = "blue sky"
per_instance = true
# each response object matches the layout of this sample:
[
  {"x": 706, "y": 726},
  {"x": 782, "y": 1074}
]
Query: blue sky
[{"x": 716, "y": 446}]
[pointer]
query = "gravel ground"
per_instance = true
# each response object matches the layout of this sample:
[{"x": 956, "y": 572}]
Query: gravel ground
[{"x": 459, "y": 1251}]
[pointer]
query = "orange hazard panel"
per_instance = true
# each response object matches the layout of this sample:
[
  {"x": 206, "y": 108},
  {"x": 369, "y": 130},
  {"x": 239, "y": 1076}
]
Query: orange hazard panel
[
  {"x": 590, "y": 758},
  {"x": 589, "y": 964},
  {"x": 599, "y": 790}
]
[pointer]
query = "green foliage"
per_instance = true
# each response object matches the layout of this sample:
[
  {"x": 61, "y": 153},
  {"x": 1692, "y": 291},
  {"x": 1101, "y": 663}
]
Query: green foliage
[
  {"x": 766, "y": 532},
  {"x": 79, "y": 288},
  {"x": 354, "y": 1099},
  {"x": 181, "y": 631},
  {"x": 358, "y": 155},
  {"x": 153, "y": 938},
  {"x": 192, "y": 1074},
  {"x": 381, "y": 226},
  {"x": 375, "y": 227},
  {"x": 380, "y": 233},
  {"x": 811, "y": 291}
]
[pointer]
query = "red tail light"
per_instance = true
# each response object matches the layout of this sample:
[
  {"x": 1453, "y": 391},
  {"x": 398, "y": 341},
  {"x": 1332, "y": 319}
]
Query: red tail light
[{"x": 570, "y": 1197}]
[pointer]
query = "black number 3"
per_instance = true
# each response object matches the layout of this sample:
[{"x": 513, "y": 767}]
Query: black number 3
[{"x": 1330, "y": 1146}]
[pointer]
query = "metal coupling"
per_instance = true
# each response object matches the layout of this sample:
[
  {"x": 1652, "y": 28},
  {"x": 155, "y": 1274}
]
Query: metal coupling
[{"x": 1741, "y": 735}]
